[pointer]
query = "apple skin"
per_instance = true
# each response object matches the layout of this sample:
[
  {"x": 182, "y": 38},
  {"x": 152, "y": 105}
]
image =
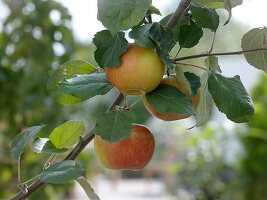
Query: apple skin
[
  {"x": 141, "y": 71},
  {"x": 170, "y": 80},
  {"x": 133, "y": 153}
]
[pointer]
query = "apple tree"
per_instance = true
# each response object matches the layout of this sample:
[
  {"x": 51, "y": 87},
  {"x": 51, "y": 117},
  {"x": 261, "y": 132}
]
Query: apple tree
[{"x": 138, "y": 68}]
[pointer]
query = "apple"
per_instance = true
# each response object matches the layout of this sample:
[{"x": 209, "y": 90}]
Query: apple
[
  {"x": 140, "y": 71},
  {"x": 171, "y": 80},
  {"x": 132, "y": 153}
]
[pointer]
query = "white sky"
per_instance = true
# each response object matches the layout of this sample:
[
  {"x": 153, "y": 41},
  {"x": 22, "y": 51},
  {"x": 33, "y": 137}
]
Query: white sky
[{"x": 85, "y": 24}]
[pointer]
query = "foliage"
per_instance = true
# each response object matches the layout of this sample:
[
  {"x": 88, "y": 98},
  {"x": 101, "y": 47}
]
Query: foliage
[
  {"x": 204, "y": 169},
  {"x": 33, "y": 42},
  {"x": 77, "y": 80}
]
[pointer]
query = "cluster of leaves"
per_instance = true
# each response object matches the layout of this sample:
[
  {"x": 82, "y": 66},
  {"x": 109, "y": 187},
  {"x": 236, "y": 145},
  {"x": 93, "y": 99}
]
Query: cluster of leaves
[
  {"x": 228, "y": 93},
  {"x": 28, "y": 37},
  {"x": 77, "y": 80},
  {"x": 61, "y": 138},
  {"x": 205, "y": 170}
]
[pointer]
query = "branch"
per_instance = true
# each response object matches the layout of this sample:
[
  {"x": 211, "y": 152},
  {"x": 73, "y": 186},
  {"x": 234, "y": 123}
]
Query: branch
[
  {"x": 90, "y": 135},
  {"x": 72, "y": 155},
  {"x": 218, "y": 54},
  {"x": 183, "y": 5}
]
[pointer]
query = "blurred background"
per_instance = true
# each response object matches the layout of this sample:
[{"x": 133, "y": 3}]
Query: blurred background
[{"x": 221, "y": 160}]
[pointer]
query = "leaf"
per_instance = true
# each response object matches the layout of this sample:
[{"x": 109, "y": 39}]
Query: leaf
[
  {"x": 217, "y": 3},
  {"x": 205, "y": 17},
  {"x": 180, "y": 76},
  {"x": 153, "y": 10},
  {"x": 231, "y": 97},
  {"x": 67, "y": 134},
  {"x": 115, "y": 125},
  {"x": 194, "y": 81},
  {"x": 19, "y": 143},
  {"x": 189, "y": 35},
  {"x": 155, "y": 36},
  {"x": 204, "y": 107},
  {"x": 62, "y": 172},
  {"x": 44, "y": 145},
  {"x": 165, "y": 19},
  {"x": 256, "y": 38},
  {"x": 213, "y": 64},
  {"x": 86, "y": 86},
  {"x": 162, "y": 35},
  {"x": 141, "y": 36},
  {"x": 227, "y": 4},
  {"x": 165, "y": 57},
  {"x": 168, "y": 99},
  {"x": 211, "y": 3},
  {"x": 109, "y": 48},
  {"x": 65, "y": 71},
  {"x": 118, "y": 15}
]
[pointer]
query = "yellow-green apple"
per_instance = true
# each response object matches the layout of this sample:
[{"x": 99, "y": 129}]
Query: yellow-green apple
[
  {"x": 132, "y": 153},
  {"x": 140, "y": 71},
  {"x": 171, "y": 80}
]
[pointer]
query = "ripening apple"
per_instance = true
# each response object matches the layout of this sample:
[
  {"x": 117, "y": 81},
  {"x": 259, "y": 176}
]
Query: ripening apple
[
  {"x": 132, "y": 153},
  {"x": 171, "y": 80},
  {"x": 140, "y": 71}
]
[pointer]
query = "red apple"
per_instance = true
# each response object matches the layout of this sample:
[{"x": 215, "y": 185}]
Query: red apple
[
  {"x": 141, "y": 71},
  {"x": 132, "y": 153},
  {"x": 170, "y": 80}
]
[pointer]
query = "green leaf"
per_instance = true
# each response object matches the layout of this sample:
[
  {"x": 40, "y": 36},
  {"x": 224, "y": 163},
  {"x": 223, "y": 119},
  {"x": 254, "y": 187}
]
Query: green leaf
[
  {"x": 109, "y": 48},
  {"x": 194, "y": 81},
  {"x": 211, "y": 3},
  {"x": 118, "y": 15},
  {"x": 205, "y": 17},
  {"x": 227, "y": 4},
  {"x": 180, "y": 77},
  {"x": 231, "y": 97},
  {"x": 165, "y": 19},
  {"x": 168, "y": 99},
  {"x": 44, "y": 145},
  {"x": 22, "y": 139},
  {"x": 155, "y": 36},
  {"x": 256, "y": 38},
  {"x": 86, "y": 86},
  {"x": 218, "y": 3},
  {"x": 189, "y": 35},
  {"x": 141, "y": 36},
  {"x": 153, "y": 10},
  {"x": 204, "y": 107},
  {"x": 115, "y": 125},
  {"x": 67, "y": 134},
  {"x": 165, "y": 57},
  {"x": 65, "y": 71},
  {"x": 163, "y": 36},
  {"x": 213, "y": 64},
  {"x": 62, "y": 172}
]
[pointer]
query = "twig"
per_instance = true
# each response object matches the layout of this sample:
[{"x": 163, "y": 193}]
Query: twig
[
  {"x": 192, "y": 65},
  {"x": 219, "y": 54},
  {"x": 183, "y": 5}
]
